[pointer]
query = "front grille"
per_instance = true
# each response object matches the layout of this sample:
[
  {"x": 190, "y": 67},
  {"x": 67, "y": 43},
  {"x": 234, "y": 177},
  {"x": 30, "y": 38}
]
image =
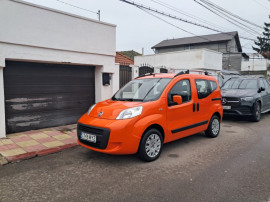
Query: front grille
[
  {"x": 90, "y": 129},
  {"x": 231, "y": 101},
  {"x": 102, "y": 135}
]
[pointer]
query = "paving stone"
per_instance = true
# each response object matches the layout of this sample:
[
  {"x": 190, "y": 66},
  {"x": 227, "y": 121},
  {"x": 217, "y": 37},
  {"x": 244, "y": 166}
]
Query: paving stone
[
  {"x": 13, "y": 152},
  {"x": 62, "y": 137},
  {"x": 6, "y": 141},
  {"x": 39, "y": 136},
  {"x": 53, "y": 144},
  {"x": 3, "y": 160},
  {"x": 27, "y": 143}
]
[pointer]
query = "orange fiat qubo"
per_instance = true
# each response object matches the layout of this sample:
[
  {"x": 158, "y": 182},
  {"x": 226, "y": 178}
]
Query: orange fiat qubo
[{"x": 152, "y": 110}]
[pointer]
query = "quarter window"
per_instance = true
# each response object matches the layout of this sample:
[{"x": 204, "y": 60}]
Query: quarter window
[{"x": 181, "y": 88}]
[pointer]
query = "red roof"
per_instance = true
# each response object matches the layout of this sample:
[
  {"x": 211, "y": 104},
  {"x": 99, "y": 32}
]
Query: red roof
[{"x": 123, "y": 60}]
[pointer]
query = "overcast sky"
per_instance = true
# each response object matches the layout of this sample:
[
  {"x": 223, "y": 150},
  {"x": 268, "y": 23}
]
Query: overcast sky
[{"x": 137, "y": 29}]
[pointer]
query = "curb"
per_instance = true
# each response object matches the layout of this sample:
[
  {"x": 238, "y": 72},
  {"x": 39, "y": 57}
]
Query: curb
[{"x": 12, "y": 159}]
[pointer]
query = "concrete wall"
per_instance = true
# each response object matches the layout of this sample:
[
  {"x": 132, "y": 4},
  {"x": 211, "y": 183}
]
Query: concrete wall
[
  {"x": 254, "y": 65},
  {"x": 220, "y": 47},
  {"x": 34, "y": 33},
  {"x": 232, "y": 61},
  {"x": 189, "y": 59}
]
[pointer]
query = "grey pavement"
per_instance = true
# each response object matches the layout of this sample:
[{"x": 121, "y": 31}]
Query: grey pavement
[{"x": 233, "y": 167}]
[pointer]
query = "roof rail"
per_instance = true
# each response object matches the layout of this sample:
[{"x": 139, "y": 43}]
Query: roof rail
[
  {"x": 147, "y": 74},
  {"x": 182, "y": 72}
]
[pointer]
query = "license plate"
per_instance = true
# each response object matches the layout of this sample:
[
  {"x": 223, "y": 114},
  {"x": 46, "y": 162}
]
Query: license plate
[
  {"x": 88, "y": 137},
  {"x": 226, "y": 107}
]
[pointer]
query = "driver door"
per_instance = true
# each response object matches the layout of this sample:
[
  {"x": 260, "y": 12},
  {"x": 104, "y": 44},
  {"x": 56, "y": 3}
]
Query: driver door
[{"x": 180, "y": 117}]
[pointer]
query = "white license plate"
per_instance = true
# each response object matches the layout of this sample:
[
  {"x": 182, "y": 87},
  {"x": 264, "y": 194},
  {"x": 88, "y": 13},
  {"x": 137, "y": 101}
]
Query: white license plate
[
  {"x": 88, "y": 137},
  {"x": 226, "y": 107}
]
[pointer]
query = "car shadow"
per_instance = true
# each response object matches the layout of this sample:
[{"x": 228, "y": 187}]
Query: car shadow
[{"x": 168, "y": 149}]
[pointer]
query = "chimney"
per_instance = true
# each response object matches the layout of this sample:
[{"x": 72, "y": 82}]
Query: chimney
[{"x": 142, "y": 51}]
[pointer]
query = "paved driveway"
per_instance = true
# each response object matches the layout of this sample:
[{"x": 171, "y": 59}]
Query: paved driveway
[{"x": 233, "y": 167}]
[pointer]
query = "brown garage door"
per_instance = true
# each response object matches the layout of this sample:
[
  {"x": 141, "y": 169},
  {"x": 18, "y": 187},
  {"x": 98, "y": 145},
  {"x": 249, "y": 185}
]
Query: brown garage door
[{"x": 45, "y": 95}]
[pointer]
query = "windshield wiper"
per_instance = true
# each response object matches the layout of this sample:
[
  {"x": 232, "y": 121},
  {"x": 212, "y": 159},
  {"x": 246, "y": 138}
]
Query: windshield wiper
[{"x": 129, "y": 99}]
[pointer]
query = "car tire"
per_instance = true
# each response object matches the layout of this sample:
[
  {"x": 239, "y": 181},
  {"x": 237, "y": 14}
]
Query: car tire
[
  {"x": 256, "y": 112},
  {"x": 151, "y": 145},
  {"x": 213, "y": 127}
]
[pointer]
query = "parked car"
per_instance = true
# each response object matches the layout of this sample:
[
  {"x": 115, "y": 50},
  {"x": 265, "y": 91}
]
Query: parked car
[
  {"x": 152, "y": 110},
  {"x": 246, "y": 96}
]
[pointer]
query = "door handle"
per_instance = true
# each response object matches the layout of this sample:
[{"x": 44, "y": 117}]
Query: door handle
[
  {"x": 198, "y": 106},
  {"x": 194, "y": 106}
]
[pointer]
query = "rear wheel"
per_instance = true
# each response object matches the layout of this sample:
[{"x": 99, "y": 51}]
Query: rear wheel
[
  {"x": 151, "y": 145},
  {"x": 256, "y": 112},
  {"x": 213, "y": 127}
]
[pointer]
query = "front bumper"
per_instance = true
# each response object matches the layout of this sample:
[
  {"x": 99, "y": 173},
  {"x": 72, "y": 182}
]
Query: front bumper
[
  {"x": 240, "y": 111},
  {"x": 113, "y": 136}
]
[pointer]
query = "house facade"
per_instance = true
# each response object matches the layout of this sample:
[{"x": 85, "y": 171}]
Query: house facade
[
  {"x": 226, "y": 43},
  {"x": 52, "y": 66}
]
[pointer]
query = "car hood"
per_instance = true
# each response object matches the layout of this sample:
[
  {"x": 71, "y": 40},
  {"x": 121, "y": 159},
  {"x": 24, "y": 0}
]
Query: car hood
[
  {"x": 110, "y": 109},
  {"x": 238, "y": 92}
]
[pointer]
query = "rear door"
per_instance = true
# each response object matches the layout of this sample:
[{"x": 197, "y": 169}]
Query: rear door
[
  {"x": 267, "y": 90},
  {"x": 264, "y": 95}
]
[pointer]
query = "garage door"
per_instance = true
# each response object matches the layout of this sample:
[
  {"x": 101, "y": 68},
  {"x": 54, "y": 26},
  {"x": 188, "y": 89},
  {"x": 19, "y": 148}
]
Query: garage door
[{"x": 45, "y": 95}]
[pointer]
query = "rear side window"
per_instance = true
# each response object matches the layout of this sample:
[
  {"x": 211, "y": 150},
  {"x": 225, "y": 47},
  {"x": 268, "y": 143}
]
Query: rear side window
[
  {"x": 205, "y": 87},
  {"x": 213, "y": 86},
  {"x": 180, "y": 88}
]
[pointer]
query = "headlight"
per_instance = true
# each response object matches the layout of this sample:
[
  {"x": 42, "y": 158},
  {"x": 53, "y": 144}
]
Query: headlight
[
  {"x": 247, "y": 99},
  {"x": 90, "y": 109},
  {"x": 130, "y": 113}
]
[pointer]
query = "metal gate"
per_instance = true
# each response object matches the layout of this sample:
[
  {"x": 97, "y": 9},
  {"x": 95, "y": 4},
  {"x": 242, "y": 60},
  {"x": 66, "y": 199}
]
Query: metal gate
[
  {"x": 145, "y": 69},
  {"x": 125, "y": 75},
  {"x": 163, "y": 70}
]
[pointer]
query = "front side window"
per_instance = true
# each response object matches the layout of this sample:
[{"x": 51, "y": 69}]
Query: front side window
[
  {"x": 181, "y": 88},
  {"x": 142, "y": 90}
]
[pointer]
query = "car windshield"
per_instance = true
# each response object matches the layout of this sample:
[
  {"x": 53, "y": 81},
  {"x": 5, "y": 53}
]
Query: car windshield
[
  {"x": 142, "y": 90},
  {"x": 240, "y": 84}
]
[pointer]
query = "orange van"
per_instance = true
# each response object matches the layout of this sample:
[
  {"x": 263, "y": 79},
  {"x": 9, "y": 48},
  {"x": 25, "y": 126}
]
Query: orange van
[{"x": 152, "y": 110}]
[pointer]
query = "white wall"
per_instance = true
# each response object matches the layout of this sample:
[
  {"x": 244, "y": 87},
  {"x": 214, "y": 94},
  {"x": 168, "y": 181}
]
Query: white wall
[
  {"x": 33, "y": 33},
  {"x": 189, "y": 59},
  {"x": 254, "y": 65}
]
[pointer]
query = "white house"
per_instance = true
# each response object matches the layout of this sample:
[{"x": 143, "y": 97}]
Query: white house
[
  {"x": 197, "y": 59},
  {"x": 254, "y": 62},
  {"x": 52, "y": 66}
]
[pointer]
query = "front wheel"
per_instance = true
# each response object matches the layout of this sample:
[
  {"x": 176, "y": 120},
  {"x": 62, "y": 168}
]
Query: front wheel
[
  {"x": 256, "y": 112},
  {"x": 151, "y": 145},
  {"x": 213, "y": 127}
]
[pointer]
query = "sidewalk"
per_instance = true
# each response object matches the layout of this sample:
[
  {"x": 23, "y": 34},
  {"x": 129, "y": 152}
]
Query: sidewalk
[{"x": 29, "y": 144}]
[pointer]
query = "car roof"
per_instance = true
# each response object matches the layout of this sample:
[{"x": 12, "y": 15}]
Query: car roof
[{"x": 171, "y": 75}]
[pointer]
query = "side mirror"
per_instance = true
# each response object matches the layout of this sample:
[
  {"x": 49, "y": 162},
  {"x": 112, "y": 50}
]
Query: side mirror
[
  {"x": 261, "y": 89},
  {"x": 177, "y": 99}
]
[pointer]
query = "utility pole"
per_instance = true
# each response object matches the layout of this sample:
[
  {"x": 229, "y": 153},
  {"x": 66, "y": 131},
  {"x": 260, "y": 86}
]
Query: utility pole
[{"x": 98, "y": 13}]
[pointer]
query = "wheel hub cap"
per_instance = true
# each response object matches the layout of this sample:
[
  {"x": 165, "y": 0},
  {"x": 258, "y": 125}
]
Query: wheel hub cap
[{"x": 152, "y": 146}]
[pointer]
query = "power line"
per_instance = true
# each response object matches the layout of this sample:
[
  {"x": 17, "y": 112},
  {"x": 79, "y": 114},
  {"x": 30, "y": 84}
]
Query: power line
[
  {"x": 245, "y": 29},
  {"x": 191, "y": 16},
  {"x": 98, "y": 13},
  {"x": 168, "y": 15},
  {"x": 230, "y": 13},
  {"x": 173, "y": 24},
  {"x": 166, "y": 5},
  {"x": 175, "y": 17}
]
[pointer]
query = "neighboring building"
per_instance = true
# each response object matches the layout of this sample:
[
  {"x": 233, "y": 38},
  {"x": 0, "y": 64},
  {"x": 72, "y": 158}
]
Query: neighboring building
[
  {"x": 123, "y": 60},
  {"x": 130, "y": 54},
  {"x": 51, "y": 66},
  {"x": 200, "y": 59},
  {"x": 254, "y": 63},
  {"x": 226, "y": 43}
]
